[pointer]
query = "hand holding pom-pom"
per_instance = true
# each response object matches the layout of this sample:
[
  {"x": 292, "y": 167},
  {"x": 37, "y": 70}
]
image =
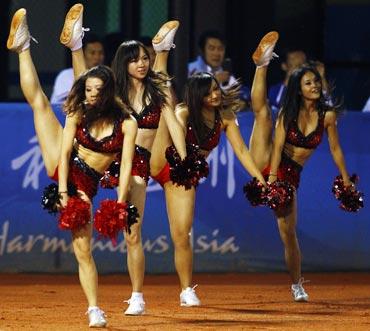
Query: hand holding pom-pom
[
  {"x": 350, "y": 199},
  {"x": 113, "y": 217},
  {"x": 255, "y": 193},
  {"x": 50, "y": 199},
  {"x": 75, "y": 215},
  {"x": 279, "y": 195},
  {"x": 189, "y": 171}
]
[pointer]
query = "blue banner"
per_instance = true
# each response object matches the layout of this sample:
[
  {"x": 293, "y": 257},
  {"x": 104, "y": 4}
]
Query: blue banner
[{"x": 228, "y": 234}]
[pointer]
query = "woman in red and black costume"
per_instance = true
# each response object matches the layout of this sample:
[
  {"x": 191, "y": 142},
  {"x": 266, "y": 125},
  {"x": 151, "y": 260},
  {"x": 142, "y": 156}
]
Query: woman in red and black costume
[
  {"x": 303, "y": 118},
  {"x": 146, "y": 95},
  {"x": 97, "y": 128},
  {"x": 206, "y": 112}
]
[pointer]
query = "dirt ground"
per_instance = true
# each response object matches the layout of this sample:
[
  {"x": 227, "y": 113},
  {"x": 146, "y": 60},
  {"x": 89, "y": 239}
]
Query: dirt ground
[{"x": 338, "y": 301}]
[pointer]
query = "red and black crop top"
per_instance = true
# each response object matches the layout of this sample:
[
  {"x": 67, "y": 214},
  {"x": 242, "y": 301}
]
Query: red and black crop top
[
  {"x": 109, "y": 144},
  {"x": 295, "y": 137},
  {"x": 149, "y": 117},
  {"x": 213, "y": 136}
]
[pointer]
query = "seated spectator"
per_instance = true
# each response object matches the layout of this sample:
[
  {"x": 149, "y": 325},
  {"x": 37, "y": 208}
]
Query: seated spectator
[
  {"x": 212, "y": 58},
  {"x": 293, "y": 59},
  {"x": 94, "y": 55}
]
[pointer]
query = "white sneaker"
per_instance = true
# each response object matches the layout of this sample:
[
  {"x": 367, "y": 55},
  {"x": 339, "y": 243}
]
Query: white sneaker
[
  {"x": 96, "y": 317},
  {"x": 19, "y": 35},
  {"x": 298, "y": 292},
  {"x": 265, "y": 49},
  {"x": 163, "y": 40},
  {"x": 136, "y": 307},
  {"x": 73, "y": 31},
  {"x": 188, "y": 297}
]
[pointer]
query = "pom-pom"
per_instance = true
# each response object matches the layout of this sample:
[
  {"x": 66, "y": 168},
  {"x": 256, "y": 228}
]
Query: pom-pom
[
  {"x": 132, "y": 215},
  {"x": 350, "y": 199},
  {"x": 189, "y": 171},
  {"x": 279, "y": 195},
  {"x": 50, "y": 199},
  {"x": 75, "y": 215},
  {"x": 254, "y": 192},
  {"x": 112, "y": 217},
  {"x": 110, "y": 178}
]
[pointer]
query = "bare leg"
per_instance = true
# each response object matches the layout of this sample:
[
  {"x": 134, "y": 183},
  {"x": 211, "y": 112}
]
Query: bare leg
[
  {"x": 287, "y": 228},
  {"x": 260, "y": 144},
  {"x": 135, "y": 252},
  {"x": 160, "y": 63},
  {"x": 88, "y": 275},
  {"x": 78, "y": 62},
  {"x": 180, "y": 209},
  {"x": 48, "y": 129}
]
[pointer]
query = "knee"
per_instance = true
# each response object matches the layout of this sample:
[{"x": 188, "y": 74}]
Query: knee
[
  {"x": 288, "y": 236},
  {"x": 134, "y": 238},
  {"x": 181, "y": 239},
  {"x": 83, "y": 256}
]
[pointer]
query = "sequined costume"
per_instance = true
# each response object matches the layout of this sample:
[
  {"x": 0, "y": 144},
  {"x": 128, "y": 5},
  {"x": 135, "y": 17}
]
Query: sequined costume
[
  {"x": 212, "y": 140},
  {"x": 81, "y": 174},
  {"x": 149, "y": 117},
  {"x": 289, "y": 170}
]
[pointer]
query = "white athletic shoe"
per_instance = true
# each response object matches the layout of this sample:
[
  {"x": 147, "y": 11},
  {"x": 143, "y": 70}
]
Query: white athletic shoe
[
  {"x": 19, "y": 35},
  {"x": 96, "y": 317},
  {"x": 188, "y": 297},
  {"x": 298, "y": 292},
  {"x": 163, "y": 40},
  {"x": 265, "y": 49},
  {"x": 73, "y": 31},
  {"x": 136, "y": 306}
]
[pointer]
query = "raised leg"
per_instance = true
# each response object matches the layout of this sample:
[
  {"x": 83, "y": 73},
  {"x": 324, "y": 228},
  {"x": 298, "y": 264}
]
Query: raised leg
[
  {"x": 260, "y": 143},
  {"x": 48, "y": 129}
]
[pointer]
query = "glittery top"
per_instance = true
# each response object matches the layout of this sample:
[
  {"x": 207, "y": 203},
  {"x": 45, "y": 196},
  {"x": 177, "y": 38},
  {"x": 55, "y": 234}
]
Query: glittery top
[
  {"x": 213, "y": 136},
  {"x": 295, "y": 137},
  {"x": 109, "y": 144},
  {"x": 148, "y": 118}
]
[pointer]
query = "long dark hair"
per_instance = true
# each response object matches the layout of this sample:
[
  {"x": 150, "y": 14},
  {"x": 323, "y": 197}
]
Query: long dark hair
[
  {"x": 108, "y": 106},
  {"x": 197, "y": 87},
  {"x": 153, "y": 82},
  {"x": 292, "y": 100}
]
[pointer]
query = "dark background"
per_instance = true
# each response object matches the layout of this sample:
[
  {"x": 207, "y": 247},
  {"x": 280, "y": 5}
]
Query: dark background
[{"x": 336, "y": 32}]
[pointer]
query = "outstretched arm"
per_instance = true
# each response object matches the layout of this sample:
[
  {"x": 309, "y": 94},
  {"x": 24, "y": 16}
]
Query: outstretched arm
[
  {"x": 335, "y": 149},
  {"x": 237, "y": 143},
  {"x": 69, "y": 133},
  {"x": 174, "y": 127},
  {"x": 277, "y": 148},
  {"x": 129, "y": 129}
]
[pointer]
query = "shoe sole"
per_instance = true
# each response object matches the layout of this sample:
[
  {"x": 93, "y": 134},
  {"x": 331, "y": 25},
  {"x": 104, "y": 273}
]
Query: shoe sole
[
  {"x": 188, "y": 305},
  {"x": 17, "y": 19},
  {"x": 269, "y": 39},
  {"x": 140, "y": 314},
  {"x": 71, "y": 18},
  {"x": 164, "y": 30},
  {"x": 99, "y": 325}
]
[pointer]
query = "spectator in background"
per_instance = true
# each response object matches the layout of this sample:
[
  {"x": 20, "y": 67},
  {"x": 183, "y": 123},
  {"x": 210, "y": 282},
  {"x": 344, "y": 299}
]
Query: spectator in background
[
  {"x": 94, "y": 55},
  {"x": 212, "y": 58},
  {"x": 293, "y": 59}
]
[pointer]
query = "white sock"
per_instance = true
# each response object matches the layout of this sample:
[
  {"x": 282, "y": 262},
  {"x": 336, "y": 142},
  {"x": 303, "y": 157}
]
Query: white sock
[
  {"x": 92, "y": 308},
  {"x": 77, "y": 45},
  {"x": 137, "y": 295}
]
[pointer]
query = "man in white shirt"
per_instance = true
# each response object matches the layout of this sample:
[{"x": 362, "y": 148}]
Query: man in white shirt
[
  {"x": 212, "y": 58},
  {"x": 94, "y": 55}
]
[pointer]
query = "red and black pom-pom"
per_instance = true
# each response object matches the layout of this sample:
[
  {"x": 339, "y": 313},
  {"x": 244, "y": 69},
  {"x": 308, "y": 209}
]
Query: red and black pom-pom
[
  {"x": 191, "y": 170},
  {"x": 50, "y": 199},
  {"x": 254, "y": 192},
  {"x": 351, "y": 200},
  {"x": 110, "y": 178},
  {"x": 75, "y": 215},
  {"x": 112, "y": 217},
  {"x": 279, "y": 195}
]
